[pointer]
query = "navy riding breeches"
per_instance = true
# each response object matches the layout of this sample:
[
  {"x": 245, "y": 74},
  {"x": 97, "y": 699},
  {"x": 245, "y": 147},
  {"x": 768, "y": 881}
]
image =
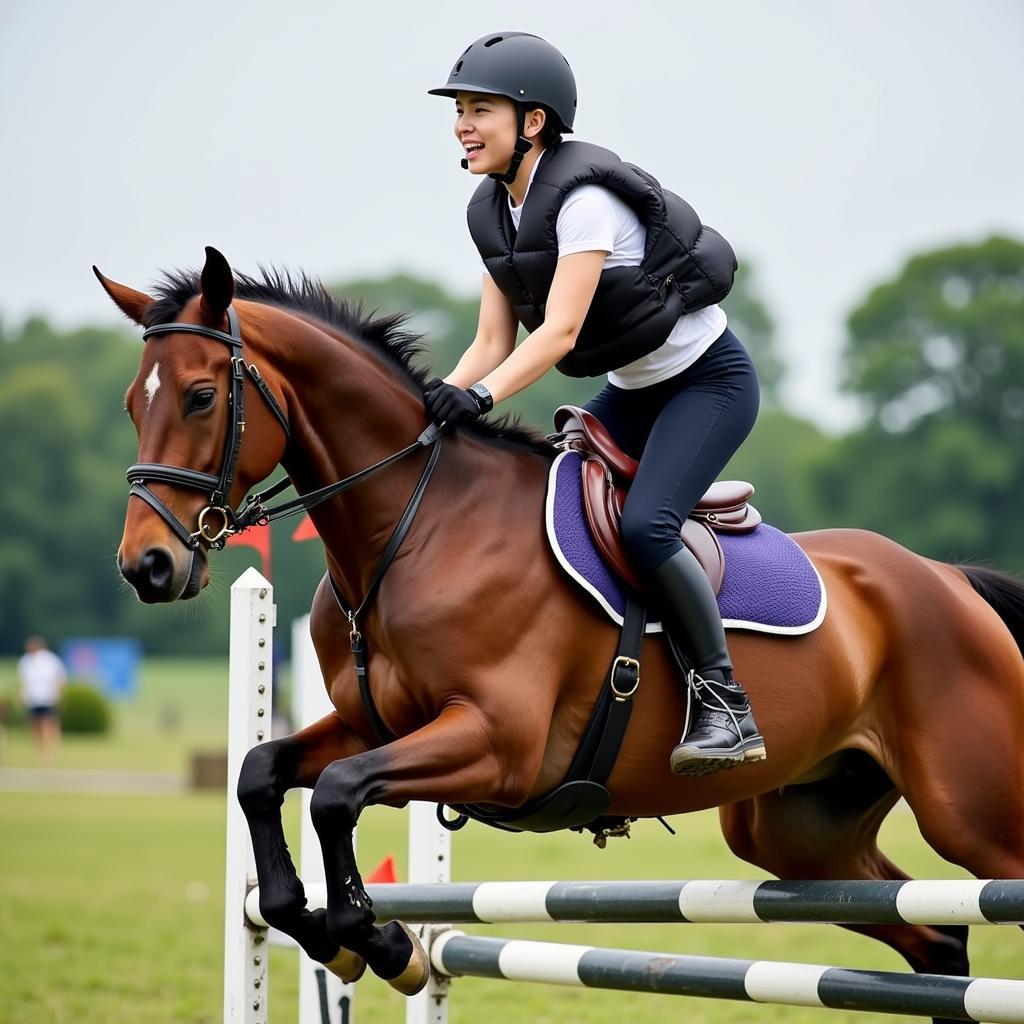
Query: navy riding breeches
[{"x": 682, "y": 431}]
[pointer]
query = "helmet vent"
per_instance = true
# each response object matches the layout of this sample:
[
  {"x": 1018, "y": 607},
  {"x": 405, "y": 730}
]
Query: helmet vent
[
  {"x": 457, "y": 69},
  {"x": 496, "y": 39}
]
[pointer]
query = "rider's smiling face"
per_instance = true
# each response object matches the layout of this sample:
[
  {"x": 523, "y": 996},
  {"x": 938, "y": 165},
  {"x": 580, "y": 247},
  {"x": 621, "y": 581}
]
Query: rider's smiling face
[{"x": 489, "y": 121}]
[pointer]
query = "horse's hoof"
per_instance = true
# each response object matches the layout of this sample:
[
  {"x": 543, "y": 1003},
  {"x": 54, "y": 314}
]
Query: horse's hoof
[
  {"x": 417, "y": 971},
  {"x": 347, "y": 965}
]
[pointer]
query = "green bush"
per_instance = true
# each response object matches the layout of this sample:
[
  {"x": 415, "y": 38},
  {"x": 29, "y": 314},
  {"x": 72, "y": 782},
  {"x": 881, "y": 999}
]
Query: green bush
[
  {"x": 12, "y": 714},
  {"x": 84, "y": 710}
]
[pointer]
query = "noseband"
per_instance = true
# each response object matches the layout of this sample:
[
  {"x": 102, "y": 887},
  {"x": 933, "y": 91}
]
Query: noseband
[{"x": 218, "y": 520}]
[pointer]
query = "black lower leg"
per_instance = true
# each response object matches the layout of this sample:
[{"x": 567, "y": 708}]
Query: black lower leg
[
  {"x": 267, "y": 774},
  {"x": 340, "y": 795}
]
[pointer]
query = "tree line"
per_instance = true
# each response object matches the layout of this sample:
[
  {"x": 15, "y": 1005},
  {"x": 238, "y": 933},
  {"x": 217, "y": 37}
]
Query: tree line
[{"x": 934, "y": 356}]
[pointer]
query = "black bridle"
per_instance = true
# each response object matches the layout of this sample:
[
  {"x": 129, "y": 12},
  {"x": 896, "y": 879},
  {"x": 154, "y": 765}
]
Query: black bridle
[{"x": 252, "y": 511}]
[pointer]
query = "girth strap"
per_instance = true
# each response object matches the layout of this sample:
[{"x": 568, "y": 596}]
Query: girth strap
[
  {"x": 581, "y": 797},
  {"x": 617, "y": 696}
]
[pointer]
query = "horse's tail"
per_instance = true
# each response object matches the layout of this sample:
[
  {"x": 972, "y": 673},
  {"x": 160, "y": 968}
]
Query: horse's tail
[{"x": 1005, "y": 593}]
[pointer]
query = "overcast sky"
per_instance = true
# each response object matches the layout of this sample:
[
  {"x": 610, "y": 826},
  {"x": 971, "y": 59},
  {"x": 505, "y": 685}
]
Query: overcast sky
[{"x": 827, "y": 141}]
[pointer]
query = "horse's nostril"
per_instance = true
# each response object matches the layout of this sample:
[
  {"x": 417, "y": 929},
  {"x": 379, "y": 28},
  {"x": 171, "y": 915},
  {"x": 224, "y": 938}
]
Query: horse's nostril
[{"x": 156, "y": 568}]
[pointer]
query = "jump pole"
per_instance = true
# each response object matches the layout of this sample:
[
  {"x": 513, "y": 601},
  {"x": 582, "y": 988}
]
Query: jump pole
[
  {"x": 993, "y": 1000},
  {"x": 969, "y": 902}
]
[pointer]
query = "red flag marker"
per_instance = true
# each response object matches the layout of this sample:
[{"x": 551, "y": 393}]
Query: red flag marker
[
  {"x": 257, "y": 537},
  {"x": 383, "y": 872},
  {"x": 305, "y": 530}
]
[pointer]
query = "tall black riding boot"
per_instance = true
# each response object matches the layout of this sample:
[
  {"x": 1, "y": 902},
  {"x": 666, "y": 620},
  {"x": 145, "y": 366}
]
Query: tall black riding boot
[{"x": 719, "y": 731}]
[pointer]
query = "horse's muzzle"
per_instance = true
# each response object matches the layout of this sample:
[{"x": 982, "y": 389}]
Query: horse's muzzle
[{"x": 157, "y": 579}]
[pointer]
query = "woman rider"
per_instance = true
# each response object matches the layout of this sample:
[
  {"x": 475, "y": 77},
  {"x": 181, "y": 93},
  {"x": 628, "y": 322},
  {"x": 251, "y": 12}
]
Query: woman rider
[{"x": 612, "y": 275}]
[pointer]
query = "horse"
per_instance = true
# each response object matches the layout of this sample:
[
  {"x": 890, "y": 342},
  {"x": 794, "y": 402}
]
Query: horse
[{"x": 484, "y": 661}]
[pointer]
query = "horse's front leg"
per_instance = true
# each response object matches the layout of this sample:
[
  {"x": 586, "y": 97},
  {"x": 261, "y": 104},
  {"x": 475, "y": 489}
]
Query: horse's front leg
[
  {"x": 454, "y": 759},
  {"x": 268, "y": 772}
]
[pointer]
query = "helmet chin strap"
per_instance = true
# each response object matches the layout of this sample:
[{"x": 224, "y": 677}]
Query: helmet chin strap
[{"x": 522, "y": 147}]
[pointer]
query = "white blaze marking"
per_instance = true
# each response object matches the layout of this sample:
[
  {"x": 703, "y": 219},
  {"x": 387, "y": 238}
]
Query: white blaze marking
[{"x": 152, "y": 384}]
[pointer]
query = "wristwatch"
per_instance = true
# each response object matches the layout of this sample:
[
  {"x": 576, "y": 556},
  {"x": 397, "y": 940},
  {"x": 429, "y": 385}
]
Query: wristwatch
[{"x": 482, "y": 396}]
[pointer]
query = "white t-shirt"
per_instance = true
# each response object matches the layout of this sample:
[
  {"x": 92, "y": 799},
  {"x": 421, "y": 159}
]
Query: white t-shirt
[
  {"x": 594, "y": 218},
  {"x": 42, "y": 675}
]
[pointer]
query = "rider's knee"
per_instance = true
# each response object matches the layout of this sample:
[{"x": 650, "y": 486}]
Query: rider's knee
[
  {"x": 637, "y": 534},
  {"x": 648, "y": 540}
]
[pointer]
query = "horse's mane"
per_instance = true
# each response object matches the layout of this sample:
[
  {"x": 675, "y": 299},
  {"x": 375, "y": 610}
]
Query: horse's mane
[{"x": 385, "y": 335}]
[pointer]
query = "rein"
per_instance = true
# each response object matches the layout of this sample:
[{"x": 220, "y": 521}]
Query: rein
[{"x": 253, "y": 511}]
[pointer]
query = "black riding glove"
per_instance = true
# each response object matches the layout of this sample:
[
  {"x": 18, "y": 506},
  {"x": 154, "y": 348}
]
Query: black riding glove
[{"x": 451, "y": 404}]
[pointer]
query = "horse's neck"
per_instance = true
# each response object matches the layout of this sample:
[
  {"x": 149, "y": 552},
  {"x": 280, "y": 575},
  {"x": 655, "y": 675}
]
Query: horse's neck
[{"x": 348, "y": 411}]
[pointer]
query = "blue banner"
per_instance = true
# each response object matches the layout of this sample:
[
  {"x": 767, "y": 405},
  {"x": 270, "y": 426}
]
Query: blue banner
[{"x": 112, "y": 663}]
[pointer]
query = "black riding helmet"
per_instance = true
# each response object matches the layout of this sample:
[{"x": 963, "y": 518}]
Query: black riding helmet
[{"x": 526, "y": 69}]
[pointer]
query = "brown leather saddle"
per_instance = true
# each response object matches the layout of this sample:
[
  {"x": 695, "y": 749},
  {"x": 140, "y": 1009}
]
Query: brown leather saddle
[{"x": 607, "y": 473}]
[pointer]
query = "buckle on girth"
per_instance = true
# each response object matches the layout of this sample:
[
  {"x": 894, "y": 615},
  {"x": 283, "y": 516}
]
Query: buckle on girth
[{"x": 626, "y": 665}]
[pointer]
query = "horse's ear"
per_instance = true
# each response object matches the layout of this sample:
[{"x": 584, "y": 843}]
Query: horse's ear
[
  {"x": 218, "y": 286},
  {"x": 133, "y": 304}
]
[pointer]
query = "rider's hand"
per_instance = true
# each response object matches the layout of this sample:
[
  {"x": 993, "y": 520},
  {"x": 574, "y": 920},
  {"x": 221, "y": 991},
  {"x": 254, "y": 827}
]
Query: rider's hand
[{"x": 448, "y": 403}]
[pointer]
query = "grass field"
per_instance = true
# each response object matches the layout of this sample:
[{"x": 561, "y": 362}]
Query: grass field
[
  {"x": 111, "y": 906},
  {"x": 181, "y": 706}
]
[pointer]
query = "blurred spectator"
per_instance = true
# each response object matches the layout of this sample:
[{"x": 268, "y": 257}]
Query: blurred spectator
[{"x": 42, "y": 678}]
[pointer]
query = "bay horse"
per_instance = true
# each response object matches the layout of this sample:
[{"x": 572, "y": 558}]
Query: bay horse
[{"x": 485, "y": 661}]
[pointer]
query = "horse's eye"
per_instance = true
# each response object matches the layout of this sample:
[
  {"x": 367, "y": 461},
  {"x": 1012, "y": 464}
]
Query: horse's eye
[{"x": 202, "y": 400}]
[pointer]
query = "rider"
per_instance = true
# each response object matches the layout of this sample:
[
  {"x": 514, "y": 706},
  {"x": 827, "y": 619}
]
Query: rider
[{"x": 612, "y": 275}]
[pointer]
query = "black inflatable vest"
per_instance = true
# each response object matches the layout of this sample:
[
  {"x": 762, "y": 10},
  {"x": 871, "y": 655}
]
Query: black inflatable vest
[{"x": 686, "y": 265}]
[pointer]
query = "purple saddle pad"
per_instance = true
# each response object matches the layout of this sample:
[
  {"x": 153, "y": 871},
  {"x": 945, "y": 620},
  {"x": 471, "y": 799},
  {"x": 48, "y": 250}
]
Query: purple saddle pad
[{"x": 770, "y": 584}]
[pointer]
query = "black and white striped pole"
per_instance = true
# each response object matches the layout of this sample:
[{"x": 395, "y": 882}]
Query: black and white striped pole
[
  {"x": 994, "y": 1000},
  {"x": 967, "y": 901}
]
